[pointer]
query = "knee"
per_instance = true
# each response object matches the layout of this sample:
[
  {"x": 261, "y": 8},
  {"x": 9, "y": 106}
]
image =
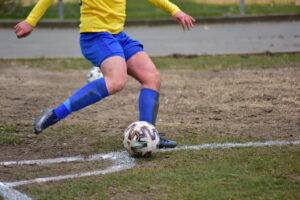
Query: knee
[
  {"x": 117, "y": 84},
  {"x": 154, "y": 79},
  {"x": 157, "y": 77}
]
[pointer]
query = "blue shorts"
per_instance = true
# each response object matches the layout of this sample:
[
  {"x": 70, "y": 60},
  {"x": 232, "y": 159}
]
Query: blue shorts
[{"x": 96, "y": 47}]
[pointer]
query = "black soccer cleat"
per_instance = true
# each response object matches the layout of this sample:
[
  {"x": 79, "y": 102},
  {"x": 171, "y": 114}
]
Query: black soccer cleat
[
  {"x": 164, "y": 143},
  {"x": 46, "y": 119}
]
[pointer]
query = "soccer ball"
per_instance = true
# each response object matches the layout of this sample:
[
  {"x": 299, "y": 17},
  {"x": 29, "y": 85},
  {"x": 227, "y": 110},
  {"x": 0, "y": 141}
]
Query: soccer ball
[
  {"x": 141, "y": 139},
  {"x": 94, "y": 74}
]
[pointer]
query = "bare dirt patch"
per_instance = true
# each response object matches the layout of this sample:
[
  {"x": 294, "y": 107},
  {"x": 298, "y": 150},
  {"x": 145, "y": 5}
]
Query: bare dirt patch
[{"x": 260, "y": 103}]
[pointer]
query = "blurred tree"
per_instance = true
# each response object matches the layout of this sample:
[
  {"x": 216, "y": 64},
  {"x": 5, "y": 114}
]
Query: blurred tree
[
  {"x": 9, "y": 7},
  {"x": 6, "y": 5}
]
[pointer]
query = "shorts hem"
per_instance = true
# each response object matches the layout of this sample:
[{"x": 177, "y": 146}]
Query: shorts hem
[
  {"x": 109, "y": 56},
  {"x": 142, "y": 50}
]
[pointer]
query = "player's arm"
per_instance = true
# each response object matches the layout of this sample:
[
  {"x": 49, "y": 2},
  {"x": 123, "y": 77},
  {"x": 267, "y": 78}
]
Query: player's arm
[
  {"x": 182, "y": 18},
  {"x": 25, "y": 27}
]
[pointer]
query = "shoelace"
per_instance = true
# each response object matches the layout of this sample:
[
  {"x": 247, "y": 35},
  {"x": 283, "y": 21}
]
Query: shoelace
[{"x": 164, "y": 140}]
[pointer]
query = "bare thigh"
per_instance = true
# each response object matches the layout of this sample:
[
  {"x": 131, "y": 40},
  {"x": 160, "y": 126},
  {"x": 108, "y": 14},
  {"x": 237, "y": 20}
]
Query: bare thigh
[
  {"x": 141, "y": 67},
  {"x": 114, "y": 70}
]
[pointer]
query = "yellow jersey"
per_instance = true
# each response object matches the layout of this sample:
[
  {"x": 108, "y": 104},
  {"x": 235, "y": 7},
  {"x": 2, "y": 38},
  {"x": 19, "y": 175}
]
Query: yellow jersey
[{"x": 99, "y": 15}]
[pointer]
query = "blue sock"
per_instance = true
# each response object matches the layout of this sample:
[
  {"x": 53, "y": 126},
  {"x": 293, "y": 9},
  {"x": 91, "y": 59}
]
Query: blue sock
[
  {"x": 85, "y": 96},
  {"x": 148, "y": 105}
]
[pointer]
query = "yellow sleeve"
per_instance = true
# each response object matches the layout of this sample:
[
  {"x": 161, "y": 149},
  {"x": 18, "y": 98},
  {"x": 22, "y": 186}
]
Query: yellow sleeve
[
  {"x": 38, "y": 11},
  {"x": 165, "y": 5}
]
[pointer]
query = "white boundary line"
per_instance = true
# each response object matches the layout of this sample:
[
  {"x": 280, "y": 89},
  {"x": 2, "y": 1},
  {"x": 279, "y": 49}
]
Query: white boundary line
[
  {"x": 121, "y": 161},
  {"x": 111, "y": 156},
  {"x": 12, "y": 194},
  {"x": 232, "y": 145}
]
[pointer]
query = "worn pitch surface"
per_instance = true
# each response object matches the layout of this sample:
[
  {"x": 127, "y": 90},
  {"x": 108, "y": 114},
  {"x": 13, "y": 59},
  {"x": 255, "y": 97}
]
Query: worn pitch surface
[{"x": 260, "y": 103}]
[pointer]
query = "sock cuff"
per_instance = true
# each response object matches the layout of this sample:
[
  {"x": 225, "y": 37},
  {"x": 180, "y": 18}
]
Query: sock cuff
[
  {"x": 150, "y": 91},
  {"x": 61, "y": 111},
  {"x": 101, "y": 84},
  {"x": 67, "y": 104},
  {"x": 85, "y": 96}
]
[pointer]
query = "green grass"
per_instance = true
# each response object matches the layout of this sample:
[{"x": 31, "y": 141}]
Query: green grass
[
  {"x": 55, "y": 64},
  {"x": 142, "y": 9},
  {"x": 169, "y": 62},
  {"x": 93, "y": 141},
  {"x": 8, "y": 136},
  {"x": 98, "y": 144},
  {"x": 107, "y": 144},
  {"x": 137, "y": 9},
  {"x": 226, "y": 62},
  {"x": 240, "y": 173}
]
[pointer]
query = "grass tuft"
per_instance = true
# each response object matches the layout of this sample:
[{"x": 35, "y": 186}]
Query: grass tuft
[
  {"x": 107, "y": 144},
  {"x": 7, "y": 136}
]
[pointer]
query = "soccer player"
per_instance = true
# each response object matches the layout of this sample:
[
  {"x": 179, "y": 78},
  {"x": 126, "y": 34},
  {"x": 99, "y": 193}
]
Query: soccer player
[{"x": 105, "y": 45}]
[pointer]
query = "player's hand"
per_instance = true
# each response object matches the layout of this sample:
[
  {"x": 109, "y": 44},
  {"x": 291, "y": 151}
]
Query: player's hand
[
  {"x": 23, "y": 29},
  {"x": 186, "y": 21}
]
